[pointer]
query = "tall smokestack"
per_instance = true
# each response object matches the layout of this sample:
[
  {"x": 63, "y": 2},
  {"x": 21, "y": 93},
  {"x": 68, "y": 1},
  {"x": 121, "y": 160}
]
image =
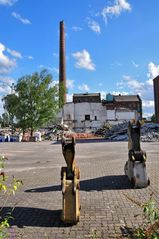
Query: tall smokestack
[{"x": 62, "y": 67}]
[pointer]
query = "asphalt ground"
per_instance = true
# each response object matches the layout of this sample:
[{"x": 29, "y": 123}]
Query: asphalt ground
[{"x": 104, "y": 189}]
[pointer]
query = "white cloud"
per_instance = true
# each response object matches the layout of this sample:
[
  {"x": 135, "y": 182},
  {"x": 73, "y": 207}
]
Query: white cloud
[
  {"x": 134, "y": 64},
  {"x": 8, "y": 2},
  {"x": 6, "y": 80},
  {"x": 119, "y": 93},
  {"x": 5, "y": 89},
  {"x": 116, "y": 9},
  {"x": 70, "y": 84},
  {"x": 100, "y": 84},
  {"x": 20, "y": 18},
  {"x": 77, "y": 29},
  {"x": 56, "y": 70},
  {"x": 51, "y": 68},
  {"x": 55, "y": 55},
  {"x": 94, "y": 26},
  {"x": 116, "y": 64},
  {"x": 30, "y": 57},
  {"x": 103, "y": 95},
  {"x": 41, "y": 66},
  {"x": 148, "y": 103},
  {"x": 144, "y": 89},
  {"x": 153, "y": 71},
  {"x": 83, "y": 87},
  {"x": 6, "y": 64},
  {"x": 136, "y": 87},
  {"x": 132, "y": 84},
  {"x": 14, "y": 53},
  {"x": 83, "y": 60}
]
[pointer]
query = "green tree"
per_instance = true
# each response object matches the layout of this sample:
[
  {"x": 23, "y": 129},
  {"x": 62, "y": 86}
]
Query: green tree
[
  {"x": 36, "y": 100},
  {"x": 10, "y": 106},
  {"x": 5, "y": 119},
  {"x": 1, "y": 121}
]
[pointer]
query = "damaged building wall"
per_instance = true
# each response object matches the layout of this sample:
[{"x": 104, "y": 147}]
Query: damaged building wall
[
  {"x": 83, "y": 117},
  {"x": 88, "y": 117},
  {"x": 67, "y": 115},
  {"x": 119, "y": 114},
  {"x": 123, "y": 106}
]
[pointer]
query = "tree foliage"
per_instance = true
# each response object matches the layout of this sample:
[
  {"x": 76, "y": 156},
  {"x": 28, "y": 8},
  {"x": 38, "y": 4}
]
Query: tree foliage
[
  {"x": 10, "y": 106},
  {"x": 35, "y": 102},
  {"x": 4, "y": 120}
]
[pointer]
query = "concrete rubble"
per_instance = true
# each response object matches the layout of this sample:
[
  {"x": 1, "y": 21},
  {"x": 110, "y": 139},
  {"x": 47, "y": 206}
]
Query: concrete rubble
[{"x": 118, "y": 132}]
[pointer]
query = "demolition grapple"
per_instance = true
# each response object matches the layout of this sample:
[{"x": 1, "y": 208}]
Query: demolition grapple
[
  {"x": 135, "y": 167},
  {"x": 70, "y": 176}
]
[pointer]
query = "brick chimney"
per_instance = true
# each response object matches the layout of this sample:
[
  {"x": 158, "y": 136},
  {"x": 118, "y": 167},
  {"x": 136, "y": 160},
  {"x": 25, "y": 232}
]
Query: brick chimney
[{"x": 62, "y": 67}]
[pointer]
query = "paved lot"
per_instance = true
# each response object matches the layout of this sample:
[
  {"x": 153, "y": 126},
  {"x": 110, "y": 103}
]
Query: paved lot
[{"x": 105, "y": 207}]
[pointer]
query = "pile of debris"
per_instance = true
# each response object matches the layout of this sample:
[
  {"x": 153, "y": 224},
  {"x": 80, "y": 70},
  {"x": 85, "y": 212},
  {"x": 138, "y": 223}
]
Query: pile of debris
[
  {"x": 150, "y": 132},
  {"x": 79, "y": 135},
  {"x": 102, "y": 131},
  {"x": 118, "y": 132}
]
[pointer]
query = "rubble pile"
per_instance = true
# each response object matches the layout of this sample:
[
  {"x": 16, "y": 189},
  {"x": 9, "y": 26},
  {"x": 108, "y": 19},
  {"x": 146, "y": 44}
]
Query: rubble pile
[
  {"x": 102, "y": 131},
  {"x": 150, "y": 132},
  {"x": 79, "y": 135},
  {"x": 118, "y": 132}
]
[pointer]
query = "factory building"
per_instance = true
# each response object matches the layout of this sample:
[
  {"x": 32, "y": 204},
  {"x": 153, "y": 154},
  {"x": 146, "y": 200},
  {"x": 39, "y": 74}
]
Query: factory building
[
  {"x": 123, "y": 107},
  {"x": 88, "y": 112}
]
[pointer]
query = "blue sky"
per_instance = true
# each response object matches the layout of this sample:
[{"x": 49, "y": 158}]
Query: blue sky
[{"x": 111, "y": 45}]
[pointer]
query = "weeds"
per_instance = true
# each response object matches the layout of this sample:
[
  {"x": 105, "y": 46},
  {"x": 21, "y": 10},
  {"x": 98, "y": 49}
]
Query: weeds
[
  {"x": 8, "y": 187},
  {"x": 150, "y": 226}
]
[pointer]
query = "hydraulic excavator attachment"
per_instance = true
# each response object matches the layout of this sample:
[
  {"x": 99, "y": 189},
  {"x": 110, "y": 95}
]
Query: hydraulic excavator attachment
[
  {"x": 135, "y": 167},
  {"x": 70, "y": 176}
]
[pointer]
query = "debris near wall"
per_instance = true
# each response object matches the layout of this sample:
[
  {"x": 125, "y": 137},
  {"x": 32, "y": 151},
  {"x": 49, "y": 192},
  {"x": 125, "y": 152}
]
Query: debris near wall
[
  {"x": 102, "y": 131},
  {"x": 79, "y": 135},
  {"x": 118, "y": 132},
  {"x": 150, "y": 132}
]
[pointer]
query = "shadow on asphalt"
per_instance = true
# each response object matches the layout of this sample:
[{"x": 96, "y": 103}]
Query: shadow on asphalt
[
  {"x": 112, "y": 182},
  {"x": 35, "y": 217}
]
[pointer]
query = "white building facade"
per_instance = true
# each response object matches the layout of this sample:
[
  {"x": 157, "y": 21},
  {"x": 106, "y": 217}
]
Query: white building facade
[{"x": 87, "y": 113}]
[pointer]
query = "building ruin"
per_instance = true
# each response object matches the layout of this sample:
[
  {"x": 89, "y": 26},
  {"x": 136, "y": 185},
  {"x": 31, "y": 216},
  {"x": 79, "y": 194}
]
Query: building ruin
[{"x": 88, "y": 112}]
